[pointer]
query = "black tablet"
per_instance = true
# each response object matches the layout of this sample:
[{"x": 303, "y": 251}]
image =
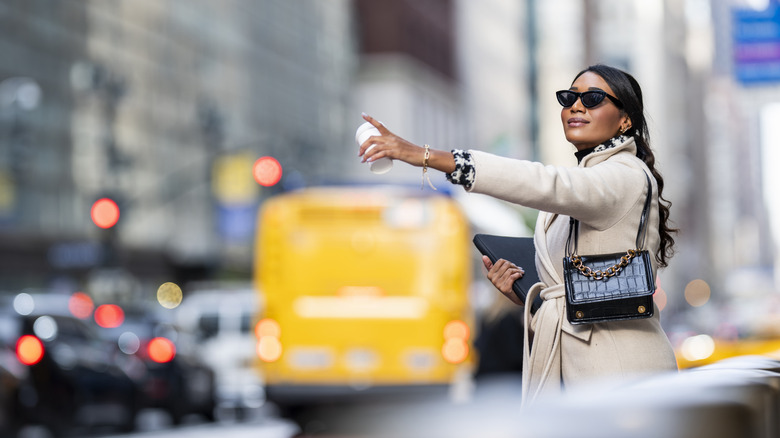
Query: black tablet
[{"x": 518, "y": 250}]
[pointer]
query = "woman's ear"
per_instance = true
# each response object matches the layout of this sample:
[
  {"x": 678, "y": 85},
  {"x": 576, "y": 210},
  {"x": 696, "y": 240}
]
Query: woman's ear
[{"x": 625, "y": 125}]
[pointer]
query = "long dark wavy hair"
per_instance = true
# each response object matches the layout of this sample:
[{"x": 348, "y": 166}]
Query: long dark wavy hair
[{"x": 627, "y": 90}]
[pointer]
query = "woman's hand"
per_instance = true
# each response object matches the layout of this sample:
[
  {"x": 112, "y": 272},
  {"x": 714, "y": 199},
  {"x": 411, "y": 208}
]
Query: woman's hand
[
  {"x": 503, "y": 274},
  {"x": 392, "y": 146}
]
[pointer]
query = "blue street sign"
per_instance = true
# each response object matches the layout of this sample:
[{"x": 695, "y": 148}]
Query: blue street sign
[
  {"x": 756, "y": 39},
  {"x": 236, "y": 223}
]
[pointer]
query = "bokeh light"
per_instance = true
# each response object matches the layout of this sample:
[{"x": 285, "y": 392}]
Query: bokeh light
[
  {"x": 455, "y": 350},
  {"x": 267, "y": 171},
  {"x": 758, "y": 5},
  {"x": 24, "y": 304},
  {"x": 29, "y": 350},
  {"x": 269, "y": 349},
  {"x": 660, "y": 299},
  {"x": 105, "y": 213},
  {"x": 109, "y": 316},
  {"x": 169, "y": 295},
  {"x": 267, "y": 327},
  {"x": 697, "y": 347},
  {"x": 45, "y": 327},
  {"x": 456, "y": 329},
  {"x": 161, "y": 350},
  {"x": 81, "y": 305},
  {"x": 697, "y": 293},
  {"x": 129, "y": 343}
]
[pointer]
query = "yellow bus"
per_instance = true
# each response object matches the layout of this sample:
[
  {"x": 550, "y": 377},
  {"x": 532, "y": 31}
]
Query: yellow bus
[{"x": 365, "y": 290}]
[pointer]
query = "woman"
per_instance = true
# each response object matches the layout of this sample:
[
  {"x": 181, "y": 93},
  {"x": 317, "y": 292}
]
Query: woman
[{"x": 603, "y": 117}]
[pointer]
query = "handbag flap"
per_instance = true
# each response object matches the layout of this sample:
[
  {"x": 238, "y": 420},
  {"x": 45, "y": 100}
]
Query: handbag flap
[{"x": 634, "y": 280}]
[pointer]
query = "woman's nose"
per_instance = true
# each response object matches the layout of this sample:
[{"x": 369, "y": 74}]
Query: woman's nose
[{"x": 577, "y": 106}]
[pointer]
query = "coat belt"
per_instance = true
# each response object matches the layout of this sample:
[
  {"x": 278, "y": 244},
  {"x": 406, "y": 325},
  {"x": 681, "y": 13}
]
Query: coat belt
[{"x": 542, "y": 362}]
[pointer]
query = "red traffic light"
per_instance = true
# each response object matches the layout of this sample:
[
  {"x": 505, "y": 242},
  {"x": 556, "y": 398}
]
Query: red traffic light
[
  {"x": 105, "y": 213},
  {"x": 267, "y": 171}
]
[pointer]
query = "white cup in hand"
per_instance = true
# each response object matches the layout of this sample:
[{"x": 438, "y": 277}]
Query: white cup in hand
[{"x": 364, "y": 131}]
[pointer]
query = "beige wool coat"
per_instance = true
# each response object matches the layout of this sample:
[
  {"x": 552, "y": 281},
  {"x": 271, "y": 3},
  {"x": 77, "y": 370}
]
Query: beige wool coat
[{"x": 606, "y": 193}]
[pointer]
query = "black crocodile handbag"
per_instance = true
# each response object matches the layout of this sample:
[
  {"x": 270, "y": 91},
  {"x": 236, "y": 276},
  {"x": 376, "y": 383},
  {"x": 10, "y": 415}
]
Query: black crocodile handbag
[{"x": 609, "y": 287}]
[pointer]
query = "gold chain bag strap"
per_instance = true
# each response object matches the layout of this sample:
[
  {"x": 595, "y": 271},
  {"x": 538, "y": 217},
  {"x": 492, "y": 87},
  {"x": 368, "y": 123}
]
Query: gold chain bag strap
[{"x": 609, "y": 287}]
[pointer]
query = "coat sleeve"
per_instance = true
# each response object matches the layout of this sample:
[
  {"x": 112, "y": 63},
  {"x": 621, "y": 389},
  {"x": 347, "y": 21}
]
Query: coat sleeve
[{"x": 598, "y": 196}]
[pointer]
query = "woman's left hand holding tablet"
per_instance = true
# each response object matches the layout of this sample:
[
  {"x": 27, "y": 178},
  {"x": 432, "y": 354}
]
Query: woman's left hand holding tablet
[{"x": 503, "y": 275}]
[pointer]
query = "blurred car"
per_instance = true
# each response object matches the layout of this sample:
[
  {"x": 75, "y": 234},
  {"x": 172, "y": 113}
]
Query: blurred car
[
  {"x": 173, "y": 378},
  {"x": 68, "y": 377},
  {"x": 221, "y": 320}
]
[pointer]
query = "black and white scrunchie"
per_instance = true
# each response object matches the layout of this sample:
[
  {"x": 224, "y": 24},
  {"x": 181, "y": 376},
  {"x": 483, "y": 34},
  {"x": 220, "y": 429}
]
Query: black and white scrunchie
[{"x": 464, "y": 169}]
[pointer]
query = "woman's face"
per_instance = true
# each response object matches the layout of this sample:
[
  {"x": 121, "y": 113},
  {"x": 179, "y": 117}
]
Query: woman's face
[{"x": 589, "y": 127}]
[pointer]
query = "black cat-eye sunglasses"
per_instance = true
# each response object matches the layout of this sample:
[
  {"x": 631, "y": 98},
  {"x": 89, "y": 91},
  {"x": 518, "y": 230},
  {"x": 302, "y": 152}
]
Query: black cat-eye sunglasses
[{"x": 589, "y": 99}]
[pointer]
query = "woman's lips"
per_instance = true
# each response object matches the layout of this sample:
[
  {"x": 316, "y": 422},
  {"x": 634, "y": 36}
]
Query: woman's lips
[{"x": 575, "y": 122}]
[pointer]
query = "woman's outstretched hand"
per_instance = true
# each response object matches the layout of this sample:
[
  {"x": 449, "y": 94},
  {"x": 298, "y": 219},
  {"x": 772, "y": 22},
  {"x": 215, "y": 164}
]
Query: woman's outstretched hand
[
  {"x": 503, "y": 274},
  {"x": 392, "y": 146}
]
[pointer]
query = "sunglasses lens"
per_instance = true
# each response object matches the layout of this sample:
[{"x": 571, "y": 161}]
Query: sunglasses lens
[
  {"x": 591, "y": 99},
  {"x": 566, "y": 98}
]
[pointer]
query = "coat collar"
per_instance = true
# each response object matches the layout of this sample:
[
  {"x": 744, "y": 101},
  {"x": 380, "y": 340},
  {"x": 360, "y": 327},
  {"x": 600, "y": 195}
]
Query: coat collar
[{"x": 596, "y": 157}]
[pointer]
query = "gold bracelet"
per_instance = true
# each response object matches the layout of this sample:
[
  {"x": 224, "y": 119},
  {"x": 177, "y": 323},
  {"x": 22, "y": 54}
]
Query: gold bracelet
[{"x": 425, "y": 169}]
